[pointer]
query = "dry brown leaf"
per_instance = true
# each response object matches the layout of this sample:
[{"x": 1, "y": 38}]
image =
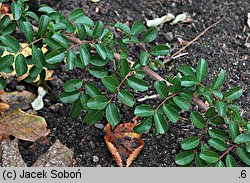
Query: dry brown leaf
[
  {"x": 4, "y": 107},
  {"x": 18, "y": 99},
  {"x": 4, "y": 9},
  {"x": 11, "y": 156},
  {"x": 23, "y": 125},
  {"x": 123, "y": 143},
  {"x": 58, "y": 155}
]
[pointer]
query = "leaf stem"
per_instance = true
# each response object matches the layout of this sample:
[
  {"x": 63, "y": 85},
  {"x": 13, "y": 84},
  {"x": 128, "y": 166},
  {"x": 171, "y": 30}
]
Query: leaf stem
[
  {"x": 119, "y": 86},
  {"x": 165, "y": 100},
  {"x": 227, "y": 151}
]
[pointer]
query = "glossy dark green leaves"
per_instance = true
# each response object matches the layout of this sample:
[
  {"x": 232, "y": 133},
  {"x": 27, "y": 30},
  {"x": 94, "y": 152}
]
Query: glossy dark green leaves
[
  {"x": 137, "y": 84},
  {"x": 144, "y": 126},
  {"x": 20, "y": 65},
  {"x": 234, "y": 93},
  {"x": 112, "y": 114},
  {"x": 201, "y": 70},
  {"x": 219, "y": 79},
  {"x": 93, "y": 116},
  {"x": 209, "y": 156},
  {"x": 98, "y": 103},
  {"x": 171, "y": 113},
  {"x": 242, "y": 138},
  {"x": 84, "y": 55},
  {"x": 244, "y": 155},
  {"x": 182, "y": 103},
  {"x": 98, "y": 72},
  {"x": 76, "y": 13},
  {"x": 11, "y": 42},
  {"x": 43, "y": 24},
  {"x": 124, "y": 27},
  {"x": 6, "y": 62},
  {"x": 69, "y": 97},
  {"x": 144, "y": 110},
  {"x": 138, "y": 27},
  {"x": 190, "y": 143},
  {"x": 92, "y": 90},
  {"x": 126, "y": 97},
  {"x": 218, "y": 144},
  {"x": 16, "y": 10},
  {"x": 161, "y": 124},
  {"x": 2, "y": 83},
  {"x": 150, "y": 35},
  {"x": 144, "y": 59},
  {"x": 73, "y": 85},
  {"x": 184, "y": 158},
  {"x": 111, "y": 83},
  {"x": 160, "y": 50},
  {"x": 198, "y": 120},
  {"x": 161, "y": 88},
  {"x": 98, "y": 30}
]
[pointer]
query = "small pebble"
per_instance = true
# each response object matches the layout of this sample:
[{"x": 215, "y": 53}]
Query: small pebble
[
  {"x": 98, "y": 165},
  {"x": 173, "y": 151},
  {"x": 20, "y": 87},
  {"x": 95, "y": 159},
  {"x": 99, "y": 125},
  {"x": 91, "y": 144}
]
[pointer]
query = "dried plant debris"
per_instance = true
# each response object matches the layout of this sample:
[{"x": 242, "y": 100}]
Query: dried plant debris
[
  {"x": 11, "y": 156},
  {"x": 123, "y": 143},
  {"x": 158, "y": 21},
  {"x": 4, "y": 107},
  {"x": 23, "y": 125},
  {"x": 18, "y": 99},
  {"x": 38, "y": 103},
  {"x": 57, "y": 156}
]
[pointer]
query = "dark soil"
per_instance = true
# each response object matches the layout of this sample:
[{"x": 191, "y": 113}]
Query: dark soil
[{"x": 223, "y": 47}]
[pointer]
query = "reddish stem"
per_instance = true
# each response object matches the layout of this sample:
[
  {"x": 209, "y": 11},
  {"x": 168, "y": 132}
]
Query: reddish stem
[{"x": 227, "y": 151}]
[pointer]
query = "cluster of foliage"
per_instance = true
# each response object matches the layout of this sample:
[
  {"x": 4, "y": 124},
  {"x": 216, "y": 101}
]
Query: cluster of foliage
[{"x": 80, "y": 43}]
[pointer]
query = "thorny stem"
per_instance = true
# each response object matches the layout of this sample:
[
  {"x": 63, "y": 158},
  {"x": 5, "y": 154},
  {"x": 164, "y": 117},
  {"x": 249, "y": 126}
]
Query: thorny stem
[
  {"x": 204, "y": 131},
  {"x": 165, "y": 100},
  {"x": 119, "y": 86},
  {"x": 227, "y": 151}
]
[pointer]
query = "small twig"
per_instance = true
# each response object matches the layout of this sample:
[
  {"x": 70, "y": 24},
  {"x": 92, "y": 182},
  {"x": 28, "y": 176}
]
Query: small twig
[
  {"x": 180, "y": 55},
  {"x": 148, "y": 97},
  {"x": 227, "y": 151},
  {"x": 119, "y": 86},
  {"x": 165, "y": 100},
  {"x": 30, "y": 44},
  {"x": 191, "y": 42}
]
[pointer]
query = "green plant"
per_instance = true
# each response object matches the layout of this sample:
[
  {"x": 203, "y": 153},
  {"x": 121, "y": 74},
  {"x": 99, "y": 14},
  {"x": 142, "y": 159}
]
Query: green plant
[{"x": 80, "y": 43}]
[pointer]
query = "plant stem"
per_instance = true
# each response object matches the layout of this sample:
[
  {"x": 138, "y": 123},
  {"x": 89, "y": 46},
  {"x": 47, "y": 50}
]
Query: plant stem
[
  {"x": 119, "y": 86},
  {"x": 227, "y": 151},
  {"x": 191, "y": 42},
  {"x": 146, "y": 69},
  {"x": 33, "y": 42},
  {"x": 165, "y": 100}
]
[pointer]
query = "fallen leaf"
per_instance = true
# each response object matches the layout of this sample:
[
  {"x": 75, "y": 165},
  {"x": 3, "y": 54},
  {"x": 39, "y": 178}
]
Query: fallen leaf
[
  {"x": 38, "y": 104},
  {"x": 123, "y": 143},
  {"x": 58, "y": 155},
  {"x": 4, "y": 9},
  {"x": 18, "y": 99},
  {"x": 11, "y": 156},
  {"x": 248, "y": 20},
  {"x": 179, "y": 18},
  {"x": 23, "y": 125},
  {"x": 158, "y": 21},
  {"x": 4, "y": 107}
]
